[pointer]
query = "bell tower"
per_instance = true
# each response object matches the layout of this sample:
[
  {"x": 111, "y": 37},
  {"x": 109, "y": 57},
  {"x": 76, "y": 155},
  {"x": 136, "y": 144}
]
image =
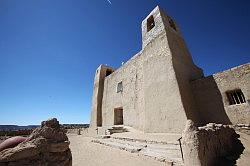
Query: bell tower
[
  {"x": 171, "y": 69},
  {"x": 156, "y": 23}
]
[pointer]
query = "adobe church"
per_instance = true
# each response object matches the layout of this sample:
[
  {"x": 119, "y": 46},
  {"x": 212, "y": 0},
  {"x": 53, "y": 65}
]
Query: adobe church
[{"x": 160, "y": 87}]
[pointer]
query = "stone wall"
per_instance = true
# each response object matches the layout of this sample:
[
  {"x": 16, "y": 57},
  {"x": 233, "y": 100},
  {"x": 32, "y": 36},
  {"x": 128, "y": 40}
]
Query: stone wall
[
  {"x": 212, "y": 101},
  {"x": 213, "y": 144}
]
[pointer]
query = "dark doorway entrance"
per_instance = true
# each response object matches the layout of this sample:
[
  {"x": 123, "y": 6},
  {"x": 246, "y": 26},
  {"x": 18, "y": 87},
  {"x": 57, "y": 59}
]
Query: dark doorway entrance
[{"x": 118, "y": 116}]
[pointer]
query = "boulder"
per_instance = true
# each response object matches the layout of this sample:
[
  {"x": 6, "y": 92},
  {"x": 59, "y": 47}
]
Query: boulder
[
  {"x": 213, "y": 144},
  {"x": 46, "y": 145}
]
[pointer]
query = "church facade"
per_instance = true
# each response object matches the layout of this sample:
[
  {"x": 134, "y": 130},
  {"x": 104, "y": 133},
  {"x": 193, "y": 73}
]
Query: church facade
[{"x": 160, "y": 87}]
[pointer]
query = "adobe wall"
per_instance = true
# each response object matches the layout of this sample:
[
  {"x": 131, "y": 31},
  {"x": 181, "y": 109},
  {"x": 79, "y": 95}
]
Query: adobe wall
[
  {"x": 131, "y": 98},
  {"x": 150, "y": 99},
  {"x": 96, "y": 113},
  {"x": 184, "y": 68},
  {"x": 212, "y": 101},
  {"x": 164, "y": 110}
]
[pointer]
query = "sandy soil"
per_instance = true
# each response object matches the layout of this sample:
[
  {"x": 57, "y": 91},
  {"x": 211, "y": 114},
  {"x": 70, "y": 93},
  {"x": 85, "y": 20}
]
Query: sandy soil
[{"x": 87, "y": 153}]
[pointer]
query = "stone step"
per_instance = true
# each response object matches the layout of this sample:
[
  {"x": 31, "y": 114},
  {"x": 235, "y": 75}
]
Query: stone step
[
  {"x": 116, "y": 131},
  {"x": 145, "y": 141},
  {"x": 162, "y": 152},
  {"x": 127, "y": 147}
]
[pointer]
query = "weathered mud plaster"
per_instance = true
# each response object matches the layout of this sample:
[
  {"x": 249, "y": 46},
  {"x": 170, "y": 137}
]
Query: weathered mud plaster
[{"x": 213, "y": 144}]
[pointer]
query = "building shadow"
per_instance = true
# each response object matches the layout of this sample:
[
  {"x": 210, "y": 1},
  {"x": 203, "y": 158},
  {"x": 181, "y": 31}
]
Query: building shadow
[
  {"x": 209, "y": 101},
  {"x": 231, "y": 158}
]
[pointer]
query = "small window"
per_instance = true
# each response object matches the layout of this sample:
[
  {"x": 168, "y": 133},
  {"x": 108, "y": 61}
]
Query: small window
[
  {"x": 172, "y": 24},
  {"x": 108, "y": 72},
  {"x": 150, "y": 23},
  {"x": 235, "y": 97},
  {"x": 119, "y": 87}
]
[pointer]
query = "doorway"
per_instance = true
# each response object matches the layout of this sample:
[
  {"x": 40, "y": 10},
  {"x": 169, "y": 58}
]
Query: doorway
[{"x": 118, "y": 116}]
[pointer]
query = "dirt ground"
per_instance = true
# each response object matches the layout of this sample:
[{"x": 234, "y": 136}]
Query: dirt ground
[{"x": 87, "y": 153}]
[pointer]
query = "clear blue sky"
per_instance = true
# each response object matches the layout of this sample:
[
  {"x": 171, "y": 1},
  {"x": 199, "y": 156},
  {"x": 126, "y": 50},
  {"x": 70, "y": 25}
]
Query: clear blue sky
[{"x": 50, "y": 49}]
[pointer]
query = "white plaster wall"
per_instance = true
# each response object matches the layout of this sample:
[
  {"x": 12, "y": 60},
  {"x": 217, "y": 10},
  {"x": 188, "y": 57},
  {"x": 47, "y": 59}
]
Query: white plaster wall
[
  {"x": 131, "y": 98},
  {"x": 163, "y": 106}
]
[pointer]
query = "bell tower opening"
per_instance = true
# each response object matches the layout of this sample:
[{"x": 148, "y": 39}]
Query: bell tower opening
[
  {"x": 150, "y": 23},
  {"x": 108, "y": 72}
]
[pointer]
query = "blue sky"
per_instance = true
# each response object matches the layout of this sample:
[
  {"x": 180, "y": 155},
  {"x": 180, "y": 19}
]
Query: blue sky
[{"x": 50, "y": 49}]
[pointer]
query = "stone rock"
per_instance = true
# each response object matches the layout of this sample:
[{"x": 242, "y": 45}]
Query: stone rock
[
  {"x": 213, "y": 144},
  {"x": 190, "y": 144},
  {"x": 47, "y": 145}
]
